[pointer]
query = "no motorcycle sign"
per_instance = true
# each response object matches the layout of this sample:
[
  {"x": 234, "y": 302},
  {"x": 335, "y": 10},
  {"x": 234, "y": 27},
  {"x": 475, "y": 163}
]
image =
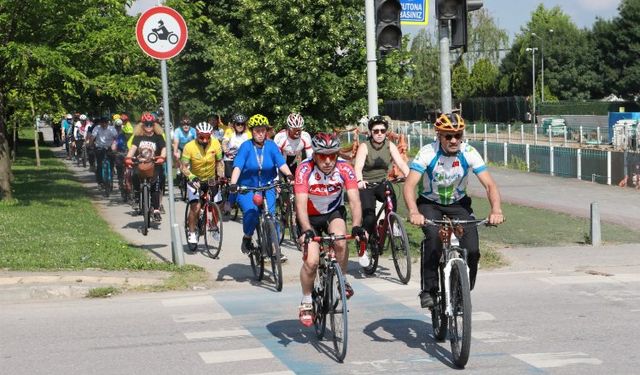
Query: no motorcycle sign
[{"x": 161, "y": 32}]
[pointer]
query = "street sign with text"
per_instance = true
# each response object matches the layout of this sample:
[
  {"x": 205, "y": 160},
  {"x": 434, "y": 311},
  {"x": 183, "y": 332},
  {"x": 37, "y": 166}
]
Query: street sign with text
[{"x": 414, "y": 12}]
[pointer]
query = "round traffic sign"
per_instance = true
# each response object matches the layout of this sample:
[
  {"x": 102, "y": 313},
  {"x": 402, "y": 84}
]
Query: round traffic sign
[{"x": 161, "y": 32}]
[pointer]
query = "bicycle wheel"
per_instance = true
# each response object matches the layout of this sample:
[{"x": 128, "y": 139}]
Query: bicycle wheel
[
  {"x": 320, "y": 298},
  {"x": 338, "y": 312},
  {"x": 273, "y": 249},
  {"x": 373, "y": 253},
  {"x": 84, "y": 156},
  {"x": 257, "y": 260},
  {"x": 182, "y": 185},
  {"x": 107, "y": 177},
  {"x": 213, "y": 230},
  {"x": 146, "y": 209},
  {"x": 399, "y": 243},
  {"x": 460, "y": 322},
  {"x": 281, "y": 219}
]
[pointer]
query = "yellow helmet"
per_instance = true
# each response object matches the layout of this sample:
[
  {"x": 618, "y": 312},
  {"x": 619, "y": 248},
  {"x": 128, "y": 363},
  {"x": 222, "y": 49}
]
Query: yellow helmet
[
  {"x": 257, "y": 120},
  {"x": 449, "y": 123},
  {"x": 115, "y": 117}
]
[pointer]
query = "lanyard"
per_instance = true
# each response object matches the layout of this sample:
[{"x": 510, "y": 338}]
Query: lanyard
[{"x": 259, "y": 159}]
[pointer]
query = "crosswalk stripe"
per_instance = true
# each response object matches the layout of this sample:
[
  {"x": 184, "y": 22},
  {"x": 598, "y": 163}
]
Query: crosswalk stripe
[
  {"x": 276, "y": 373},
  {"x": 200, "y": 317},
  {"x": 545, "y": 360},
  {"x": 216, "y": 334},
  {"x": 188, "y": 301},
  {"x": 222, "y": 356}
]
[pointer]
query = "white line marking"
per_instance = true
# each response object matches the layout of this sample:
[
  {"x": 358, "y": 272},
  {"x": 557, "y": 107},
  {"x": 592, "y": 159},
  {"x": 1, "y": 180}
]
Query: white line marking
[
  {"x": 222, "y": 356},
  {"x": 480, "y": 316},
  {"x": 200, "y": 317},
  {"x": 276, "y": 373},
  {"x": 496, "y": 336},
  {"x": 544, "y": 360},
  {"x": 586, "y": 279},
  {"x": 216, "y": 334},
  {"x": 188, "y": 301}
]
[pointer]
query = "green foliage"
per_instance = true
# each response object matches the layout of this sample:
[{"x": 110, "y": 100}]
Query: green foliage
[
  {"x": 461, "y": 84},
  {"x": 425, "y": 73}
]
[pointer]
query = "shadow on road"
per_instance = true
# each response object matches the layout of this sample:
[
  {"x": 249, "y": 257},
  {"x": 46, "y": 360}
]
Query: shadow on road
[{"x": 288, "y": 331}]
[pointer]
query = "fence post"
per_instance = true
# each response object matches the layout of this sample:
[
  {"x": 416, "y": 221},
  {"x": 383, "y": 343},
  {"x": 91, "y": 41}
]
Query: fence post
[
  {"x": 485, "y": 132},
  {"x": 550, "y": 130},
  {"x": 509, "y": 133},
  {"x": 497, "y": 135},
  {"x": 581, "y": 135},
  {"x": 484, "y": 146},
  {"x": 522, "y": 134},
  {"x": 551, "y": 171},
  {"x": 564, "y": 143},
  {"x": 608, "y": 167},
  {"x": 505, "y": 153},
  {"x": 475, "y": 136},
  {"x": 598, "y": 134},
  {"x": 348, "y": 137},
  {"x": 526, "y": 156},
  {"x": 579, "y": 163},
  {"x": 535, "y": 134},
  {"x": 421, "y": 137},
  {"x": 596, "y": 238}
]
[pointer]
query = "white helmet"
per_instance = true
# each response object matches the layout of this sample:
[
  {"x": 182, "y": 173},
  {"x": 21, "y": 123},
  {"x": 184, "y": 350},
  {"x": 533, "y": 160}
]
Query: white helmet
[
  {"x": 295, "y": 121},
  {"x": 83, "y": 117},
  {"x": 68, "y": 116},
  {"x": 117, "y": 122},
  {"x": 204, "y": 128}
]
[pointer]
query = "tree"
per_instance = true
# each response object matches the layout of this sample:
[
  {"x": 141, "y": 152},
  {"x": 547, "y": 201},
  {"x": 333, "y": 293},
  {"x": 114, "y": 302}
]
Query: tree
[
  {"x": 484, "y": 78},
  {"x": 486, "y": 40},
  {"x": 425, "y": 69},
  {"x": 461, "y": 84}
]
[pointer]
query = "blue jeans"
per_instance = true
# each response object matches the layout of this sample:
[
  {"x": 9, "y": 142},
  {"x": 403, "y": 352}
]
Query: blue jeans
[{"x": 250, "y": 212}]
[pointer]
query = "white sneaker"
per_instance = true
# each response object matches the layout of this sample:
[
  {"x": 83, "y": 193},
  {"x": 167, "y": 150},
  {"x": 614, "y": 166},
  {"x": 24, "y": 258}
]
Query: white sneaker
[
  {"x": 364, "y": 260},
  {"x": 192, "y": 238}
]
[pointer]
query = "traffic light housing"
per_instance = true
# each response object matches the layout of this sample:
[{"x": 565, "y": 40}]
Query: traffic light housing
[
  {"x": 456, "y": 12},
  {"x": 388, "y": 30}
]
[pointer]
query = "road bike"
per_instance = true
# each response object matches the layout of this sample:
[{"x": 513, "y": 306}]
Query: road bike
[
  {"x": 181, "y": 183},
  {"x": 452, "y": 306},
  {"x": 267, "y": 236},
  {"x": 106, "y": 172},
  {"x": 286, "y": 214},
  {"x": 329, "y": 295},
  {"x": 209, "y": 224},
  {"x": 81, "y": 152},
  {"x": 389, "y": 226}
]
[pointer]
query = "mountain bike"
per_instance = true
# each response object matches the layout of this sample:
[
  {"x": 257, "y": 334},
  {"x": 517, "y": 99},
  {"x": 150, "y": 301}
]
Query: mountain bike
[
  {"x": 452, "y": 306},
  {"x": 209, "y": 225},
  {"x": 389, "y": 226},
  {"x": 267, "y": 236},
  {"x": 106, "y": 171},
  {"x": 146, "y": 170},
  {"x": 224, "y": 188},
  {"x": 286, "y": 213},
  {"x": 329, "y": 297},
  {"x": 81, "y": 152}
]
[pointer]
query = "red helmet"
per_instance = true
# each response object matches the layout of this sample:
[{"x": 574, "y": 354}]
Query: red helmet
[
  {"x": 325, "y": 143},
  {"x": 124, "y": 117},
  {"x": 147, "y": 117}
]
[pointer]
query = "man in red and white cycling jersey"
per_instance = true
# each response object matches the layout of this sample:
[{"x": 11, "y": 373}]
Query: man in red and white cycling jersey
[
  {"x": 293, "y": 140},
  {"x": 319, "y": 186}
]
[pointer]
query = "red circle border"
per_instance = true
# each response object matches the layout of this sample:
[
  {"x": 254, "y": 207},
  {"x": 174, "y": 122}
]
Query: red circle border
[{"x": 183, "y": 32}]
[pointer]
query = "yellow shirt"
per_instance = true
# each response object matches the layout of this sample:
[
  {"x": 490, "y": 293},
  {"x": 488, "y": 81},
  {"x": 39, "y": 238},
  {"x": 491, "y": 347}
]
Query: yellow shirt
[
  {"x": 203, "y": 163},
  {"x": 229, "y": 133}
]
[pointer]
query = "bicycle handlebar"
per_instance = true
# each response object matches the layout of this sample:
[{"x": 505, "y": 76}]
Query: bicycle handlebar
[
  {"x": 330, "y": 238},
  {"x": 453, "y": 222},
  {"x": 393, "y": 181},
  {"x": 242, "y": 189}
]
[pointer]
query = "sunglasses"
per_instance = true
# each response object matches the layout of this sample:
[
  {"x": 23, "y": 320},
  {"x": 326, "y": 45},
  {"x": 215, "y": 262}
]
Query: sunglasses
[
  {"x": 148, "y": 124},
  {"x": 243, "y": 124},
  {"x": 449, "y": 137},
  {"x": 330, "y": 157},
  {"x": 204, "y": 138},
  {"x": 378, "y": 131}
]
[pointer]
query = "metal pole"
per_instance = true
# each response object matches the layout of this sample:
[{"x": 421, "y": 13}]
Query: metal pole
[
  {"x": 372, "y": 75},
  {"x": 596, "y": 238},
  {"x": 579, "y": 164},
  {"x": 445, "y": 72},
  {"x": 176, "y": 247}
]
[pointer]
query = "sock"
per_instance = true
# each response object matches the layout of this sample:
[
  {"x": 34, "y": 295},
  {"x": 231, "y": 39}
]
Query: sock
[{"x": 306, "y": 299}]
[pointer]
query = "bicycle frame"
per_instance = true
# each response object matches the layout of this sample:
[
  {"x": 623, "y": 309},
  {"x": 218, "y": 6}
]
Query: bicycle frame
[{"x": 387, "y": 207}]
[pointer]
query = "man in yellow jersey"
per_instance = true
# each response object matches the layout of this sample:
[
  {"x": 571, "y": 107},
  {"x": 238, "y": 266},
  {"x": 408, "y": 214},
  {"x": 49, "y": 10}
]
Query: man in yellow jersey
[{"x": 201, "y": 161}]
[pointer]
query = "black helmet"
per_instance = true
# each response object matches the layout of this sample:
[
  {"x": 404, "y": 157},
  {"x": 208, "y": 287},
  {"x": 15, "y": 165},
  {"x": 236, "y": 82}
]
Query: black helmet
[
  {"x": 239, "y": 118},
  {"x": 378, "y": 120}
]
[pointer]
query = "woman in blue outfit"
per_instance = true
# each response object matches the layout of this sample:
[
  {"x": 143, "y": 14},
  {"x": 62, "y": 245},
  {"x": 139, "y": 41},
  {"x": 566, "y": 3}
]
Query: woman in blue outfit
[{"x": 256, "y": 164}]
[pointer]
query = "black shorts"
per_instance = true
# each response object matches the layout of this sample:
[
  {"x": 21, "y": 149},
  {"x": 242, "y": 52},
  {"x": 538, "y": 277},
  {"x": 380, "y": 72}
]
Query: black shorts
[
  {"x": 320, "y": 223},
  {"x": 228, "y": 168}
]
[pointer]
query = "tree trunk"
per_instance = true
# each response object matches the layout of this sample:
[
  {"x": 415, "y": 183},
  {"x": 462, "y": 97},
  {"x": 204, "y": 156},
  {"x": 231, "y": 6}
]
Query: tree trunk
[{"x": 6, "y": 177}]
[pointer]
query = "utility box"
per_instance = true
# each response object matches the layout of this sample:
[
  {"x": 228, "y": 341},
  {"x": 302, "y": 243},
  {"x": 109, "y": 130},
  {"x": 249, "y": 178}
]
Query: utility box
[{"x": 555, "y": 126}]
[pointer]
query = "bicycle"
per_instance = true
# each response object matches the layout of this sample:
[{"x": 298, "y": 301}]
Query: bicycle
[
  {"x": 209, "y": 225},
  {"x": 267, "y": 236},
  {"x": 146, "y": 170},
  {"x": 328, "y": 295},
  {"x": 224, "y": 186},
  {"x": 390, "y": 226},
  {"x": 181, "y": 182},
  {"x": 452, "y": 306},
  {"x": 286, "y": 214},
  {"x": 106, "y": 172},
  {"x": 81, "y": 152}
]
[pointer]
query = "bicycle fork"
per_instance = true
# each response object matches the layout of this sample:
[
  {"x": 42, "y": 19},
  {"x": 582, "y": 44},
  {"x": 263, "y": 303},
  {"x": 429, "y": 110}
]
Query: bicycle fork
[{"x": 447, "y": 277}]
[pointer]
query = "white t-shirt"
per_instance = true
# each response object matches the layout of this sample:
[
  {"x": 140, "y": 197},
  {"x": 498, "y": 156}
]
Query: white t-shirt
[
  {"x": 290, "y": 147},
  {"x": 233, "y": 142}
]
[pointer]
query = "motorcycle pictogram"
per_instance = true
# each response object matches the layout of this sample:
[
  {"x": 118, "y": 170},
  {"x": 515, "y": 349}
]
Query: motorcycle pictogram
[{"x": 161, "y": 33}]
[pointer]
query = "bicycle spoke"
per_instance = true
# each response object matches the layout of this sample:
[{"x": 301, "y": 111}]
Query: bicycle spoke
[{"x": 460, "y": 321}]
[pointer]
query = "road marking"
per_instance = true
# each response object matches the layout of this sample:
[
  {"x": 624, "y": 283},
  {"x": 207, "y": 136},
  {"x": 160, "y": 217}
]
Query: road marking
[
  {"x": 586, "y": 279},
  {"x": 496, "y": 336},
  {"x": 188, "y": 301},
  {"x": 481, "y": 316},
  {"x": 385, "y": 286},
  {"x": 545, "y": 360},
  {"x": 276, "y": 373},
  {"x": 216, "y": 334},
  {"x": 222, "y": 356},
  {"x": 200, "y": 317}
]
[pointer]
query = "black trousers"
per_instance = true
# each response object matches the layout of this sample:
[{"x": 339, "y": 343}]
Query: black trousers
[
  {"x": 368, "y": 198},
  {"x": 432, "y": 246}
]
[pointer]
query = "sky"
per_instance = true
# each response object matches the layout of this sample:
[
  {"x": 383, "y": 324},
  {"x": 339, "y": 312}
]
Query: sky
[{"x": 509, "y": 14}]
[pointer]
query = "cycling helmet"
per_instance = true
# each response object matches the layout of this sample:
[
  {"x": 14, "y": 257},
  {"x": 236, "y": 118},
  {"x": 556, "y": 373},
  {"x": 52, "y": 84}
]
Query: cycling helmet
[
  {"x": 68, "y": 116},
  {"x": 115, "y": 117},
  {"x": 117, "y": 122},
  {"x": 449, "y": 123},
  {"x": 258, "y": 120},
  {"x": 295, "y": 121},
  {"x": 375, "y": 120},
  {"x": 239, "y": 118},
  {"x": 325, "y": 143},
  {"x": 147, "y": 117},
  {"x": 204, "y": 128},
  {"x": 124, "y": 117},
  {"x": 83, "y": 117}
]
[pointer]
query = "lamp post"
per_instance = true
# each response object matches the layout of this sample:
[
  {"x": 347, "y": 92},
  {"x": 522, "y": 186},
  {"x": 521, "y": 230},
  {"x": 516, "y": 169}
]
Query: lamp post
[
  {"x": 533, "y": 79},
  {"x": 542, "y": 58}
]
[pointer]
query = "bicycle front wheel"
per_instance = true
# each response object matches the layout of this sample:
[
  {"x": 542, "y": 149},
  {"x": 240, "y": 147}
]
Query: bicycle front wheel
[
  {"x": 273, "y": 249},
  {"x": 213, "y": 230},
  {"x": 460, "y": 321},
  {"x": 320, "y": 303},
  {"x": 373, "y": 253},
  {"x": 399, "y": 243},
  {"x": 107, "y": 177},
  {"x": 146, "y": 209},
  {"x": 338, "y": 312},
  {"x": 257, "y": 259}
]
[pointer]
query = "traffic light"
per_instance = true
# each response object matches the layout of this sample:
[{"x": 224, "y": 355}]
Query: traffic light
[
  {"x": 388, "y": 31},
  {"x": 456, "y": 11}
]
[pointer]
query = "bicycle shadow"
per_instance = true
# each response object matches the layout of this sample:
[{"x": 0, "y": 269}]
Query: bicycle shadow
[
  {"x": 290, "y": 331},
  {"x": 243, "y": 273},
  {"x": 413, "y": 333}
]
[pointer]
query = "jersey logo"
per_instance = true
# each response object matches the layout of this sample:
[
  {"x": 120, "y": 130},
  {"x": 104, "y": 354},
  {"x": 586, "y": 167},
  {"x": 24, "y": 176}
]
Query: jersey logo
[
  {"x": 456, "y": 163},
  {"x": 304, "y": 168}
]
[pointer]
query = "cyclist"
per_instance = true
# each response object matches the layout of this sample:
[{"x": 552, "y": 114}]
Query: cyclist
[
  {"x": 127, "y": 128},
  {"x": 444, "y": 167},
  {"x": 256, "y": 164},
  {"x": 218, "y": 127},
  {"x": 67, "y": 130},
  {"x": 320, "y": 183},
  {"x": 233, "y": 138},
  {"x": 148, "y": 142},
  {"x": 103, "y": 137},
  {"x": 372, "y": 164},
  {"x": 181, "y": 136},
  {"x": 201, "y": 160},
  {"x": 121, "y": 151},
  {"x": 293, "y": 140},
  {"x": 80, "y": 130}
]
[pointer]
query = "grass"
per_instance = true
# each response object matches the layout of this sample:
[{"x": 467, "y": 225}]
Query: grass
[
  {"x": 51, "y": 224},
  {"x": 103, "y": 292}
]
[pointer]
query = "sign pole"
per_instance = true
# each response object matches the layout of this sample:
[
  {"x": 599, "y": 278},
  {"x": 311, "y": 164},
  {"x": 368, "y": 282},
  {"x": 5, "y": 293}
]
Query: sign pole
[
  {"x": 372, "y": 74},
  {"x": 445, "y": 72}
]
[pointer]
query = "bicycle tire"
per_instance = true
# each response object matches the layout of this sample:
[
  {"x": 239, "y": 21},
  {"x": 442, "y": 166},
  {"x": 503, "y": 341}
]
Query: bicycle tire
[
  {"x": 399, "y": 243},
  {"x": 146, "y": 209},
  {"x": 373, "y": 252},
  {"x": 107, "y": 177},
  {"x": 273, "y": 249},
  {"x": 84, "y": 156},
  {"x": 213, "y": 219},
  {"x": 338, "y": 313},
  {"x": 319, "y": 296},
  {"x": 257, "y": 260},
  {"x": 439, "y": 320},
  {"x": 460, "y": 321},
  {"x": 182, "y": 185}
]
